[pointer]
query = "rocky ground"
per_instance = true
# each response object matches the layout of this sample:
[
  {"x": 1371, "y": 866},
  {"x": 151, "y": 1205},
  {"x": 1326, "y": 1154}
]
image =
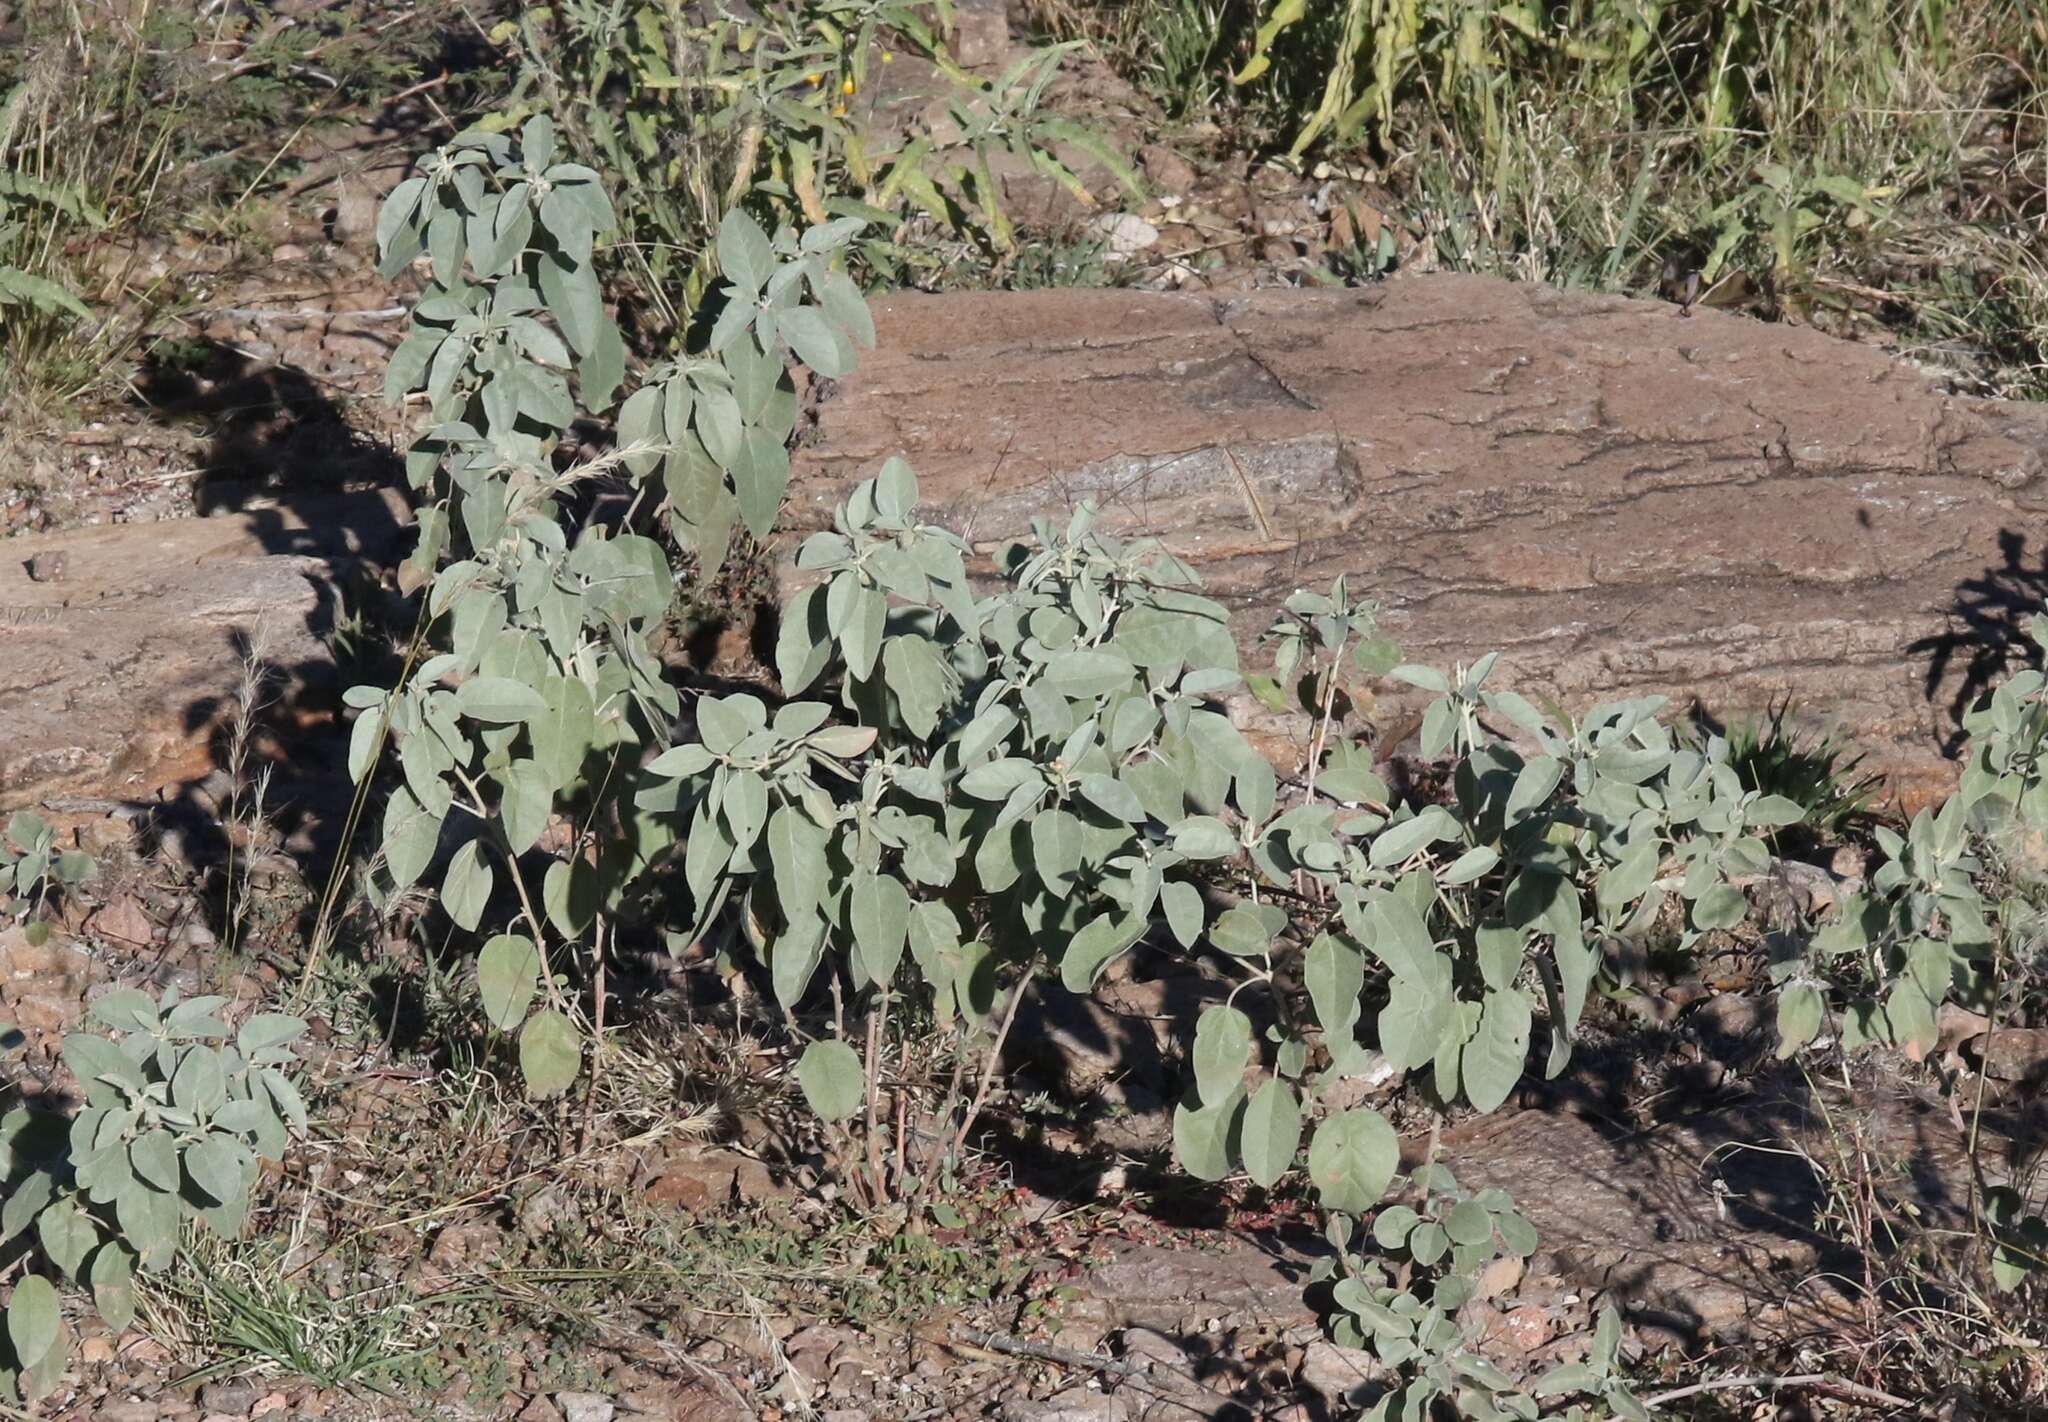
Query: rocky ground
[{"x": 429, "y": 1255}]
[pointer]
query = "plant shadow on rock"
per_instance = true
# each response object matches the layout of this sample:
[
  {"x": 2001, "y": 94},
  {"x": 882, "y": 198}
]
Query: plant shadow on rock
[
  {"x": 283, "y": 458},
  {"x": 1986, "y": 640},
  {"x": 274, "y": 430},
  {"x": 1114, "y": 1060},
  {"x": 1734, "y": 1192}
]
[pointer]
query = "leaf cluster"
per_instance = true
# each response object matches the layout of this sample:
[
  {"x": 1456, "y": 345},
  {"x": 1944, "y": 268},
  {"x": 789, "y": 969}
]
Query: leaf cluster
[
  {"x": 1928, "y": 928},
  {"x": 178, "y": 1111},
  {"x": 1398, "y": 1289},
  {"x": 539, "y": 691},
  {"x": 33, "y": 869}
]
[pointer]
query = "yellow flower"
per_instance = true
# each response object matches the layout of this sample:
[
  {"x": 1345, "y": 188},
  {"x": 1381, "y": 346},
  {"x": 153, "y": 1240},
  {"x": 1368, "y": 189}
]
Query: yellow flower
[
  {"x": 814, "y": 79},
  {"x": 847, "y": 87},
  {"x": 839, "y": 111},
  {"x": 887, "y": 57}
]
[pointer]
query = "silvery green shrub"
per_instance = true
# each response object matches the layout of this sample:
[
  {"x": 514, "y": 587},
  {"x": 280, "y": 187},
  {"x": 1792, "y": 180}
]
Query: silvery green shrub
[
  {"x": 1398, "y": 1288},
  {"x": 178, "y": 1110},
  {"x": 1927, "y": 931},
  {"x": 968, "y": 781},
  {"x": 539, "y": 691}
]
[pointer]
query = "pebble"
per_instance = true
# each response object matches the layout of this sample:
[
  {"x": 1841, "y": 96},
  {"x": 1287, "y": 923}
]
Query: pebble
[
  {"x": 230, "y": 1396},
  {"x": 1526, "y": 1328},
  {"x": 1126, "y": 233},
  {"x": 1499, "y": 1276},
  {"x": 585, "y": 1407},
  {"x": 1166, "y": 169}
]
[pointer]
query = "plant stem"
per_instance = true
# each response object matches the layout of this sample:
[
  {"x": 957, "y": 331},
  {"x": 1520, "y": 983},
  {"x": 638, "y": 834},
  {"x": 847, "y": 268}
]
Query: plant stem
[
  {"x": 323, "y": 925},
  {"x": 597, "y": 1026},
  {"x": 1826, "y": 1382},
  {"x": 902, "y": 1114},
  {"x": 876, "y": 1019},
  {"x": 924, "y": 1180},
  {"x": 1976, "y": 1202},
  {"x": 1017, "y": 1347},
  {"x": 533, "y": 923},
  {"x": 1322, "y": 736},
  {"x": 990, "y": 1059}
]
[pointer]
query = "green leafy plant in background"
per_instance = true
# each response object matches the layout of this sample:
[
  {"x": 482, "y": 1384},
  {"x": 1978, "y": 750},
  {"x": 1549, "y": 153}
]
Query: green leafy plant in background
[
  {"x": 700, "y": 113},
  {"x": 1700, "y": 72},
  {"x": 1781, "y": 212},
  {"x": 33, "y": 871},
  {"x": 178, "y": 1111},
  {"x": 26, "y": 295},
  {"x": 1842, "y": 162},
  {"x": 122, "y": 124},
  {"x": 43, "y": 211},
  {"x": 1460, "y": 51}
]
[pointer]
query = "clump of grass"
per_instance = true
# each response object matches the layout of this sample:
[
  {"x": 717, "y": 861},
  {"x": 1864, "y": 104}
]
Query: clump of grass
[
  {"x": 1868, "y": 166},
  {"x": 121, "y": 123},
  {"x": 1872, "y": 168},
  {"x": 1818, "y": 770},
  {"x": 1180, "y": 52},
  {"x": 237, "y": 1305}
]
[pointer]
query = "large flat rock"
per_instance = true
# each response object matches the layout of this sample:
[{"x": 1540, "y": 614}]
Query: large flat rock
[
  {"x": 1620, "y": 499},
  {"x": 123, "y": 650}
]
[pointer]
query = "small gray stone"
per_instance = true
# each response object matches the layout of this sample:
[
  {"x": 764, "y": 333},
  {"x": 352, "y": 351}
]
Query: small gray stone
[
  {"x": 547, "y": 1210},
  {"x": 1154, "y": 1349},
  {"x": 585, "y": 1407},
  {"x": 1126, "y": 233},
  {"x": 230, "y": 1395},
  {"x": 981, "y": 33},
  {"x": 48, "y": 566}
]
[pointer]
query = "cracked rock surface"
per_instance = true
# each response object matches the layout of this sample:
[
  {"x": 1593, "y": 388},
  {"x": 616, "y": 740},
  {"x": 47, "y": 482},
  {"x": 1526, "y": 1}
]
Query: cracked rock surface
[{"x": 1621, "y": 500}]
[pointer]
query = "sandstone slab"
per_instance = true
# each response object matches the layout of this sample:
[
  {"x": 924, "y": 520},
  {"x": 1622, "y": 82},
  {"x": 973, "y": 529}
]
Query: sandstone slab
[
  {"x": 1644, "y": 1221},
  {"x": 1232, "y": 1283},
  {"x": 1619, "y": 499},
  {"x": 115, "y": 676}
]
